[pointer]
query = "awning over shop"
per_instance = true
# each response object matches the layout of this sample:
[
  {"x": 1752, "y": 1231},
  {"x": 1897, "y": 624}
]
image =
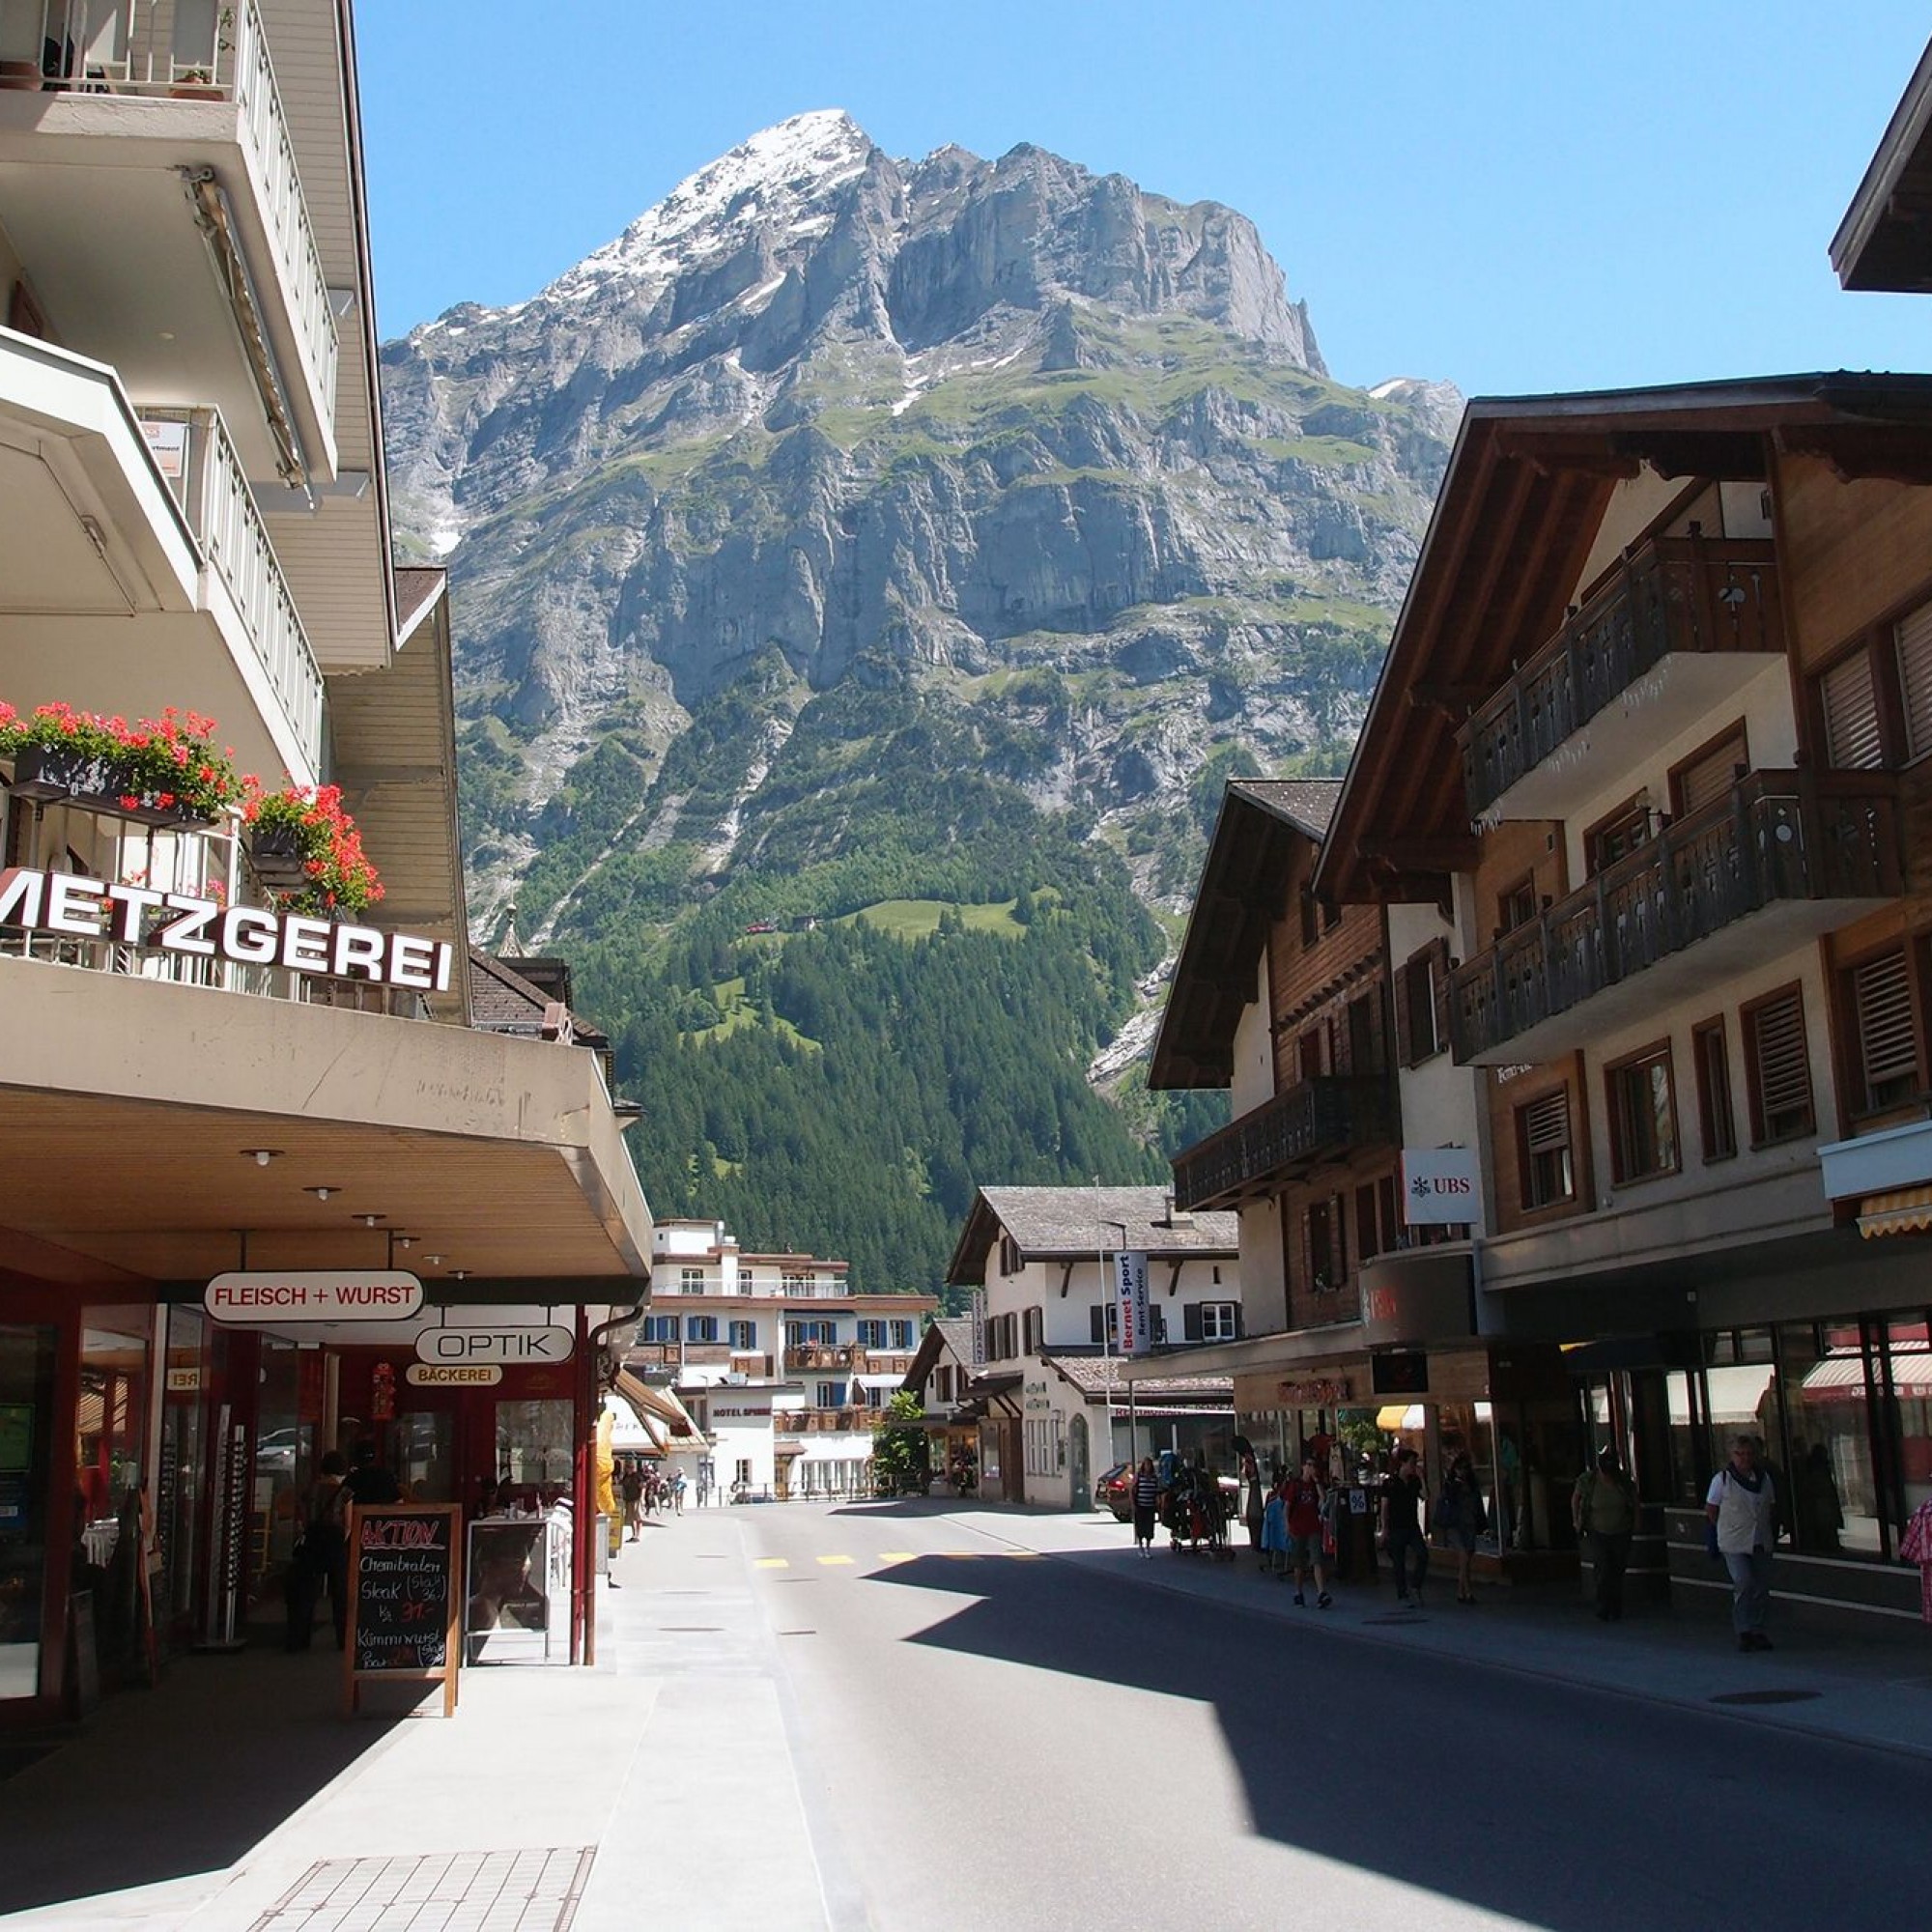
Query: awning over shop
[
  {"x": 1842, "y": 1378},
  {"x": 1393, "y": 1419},
  {"x": 1903, "y": 1211}
]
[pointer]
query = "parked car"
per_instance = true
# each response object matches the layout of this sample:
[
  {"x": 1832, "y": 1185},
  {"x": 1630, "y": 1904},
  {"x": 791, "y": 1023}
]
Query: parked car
[{"x": 1114, "y": 1491}]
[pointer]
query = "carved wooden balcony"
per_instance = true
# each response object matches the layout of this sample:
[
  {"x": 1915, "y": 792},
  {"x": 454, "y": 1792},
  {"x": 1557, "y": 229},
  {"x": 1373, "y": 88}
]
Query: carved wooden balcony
[
  {"x": 1313, "y": 1120},
  {"x": 1685, "y": 620},
  {"x": 1780, "y": 856}
]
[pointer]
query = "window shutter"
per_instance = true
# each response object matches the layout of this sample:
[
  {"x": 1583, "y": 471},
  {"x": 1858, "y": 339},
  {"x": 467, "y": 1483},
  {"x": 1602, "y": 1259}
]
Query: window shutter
[
  {"x": 1783, "y": 1070},
  {"x": 1887, "y": 1040},
  {"x": 1192, "y": 1318},
  {"x": 1438, "y": 987},
  {"x": 1547, "y": 1122},
  {"x": 1403, "y": 1055},
  {"x": 1098, "y": 1322},
  {"x": 1239, "y": 1330},
  {"x": 1850, "y": 696},
  {"x": 1915, "y": 679},
  {"x": 1710, "y": 778}
]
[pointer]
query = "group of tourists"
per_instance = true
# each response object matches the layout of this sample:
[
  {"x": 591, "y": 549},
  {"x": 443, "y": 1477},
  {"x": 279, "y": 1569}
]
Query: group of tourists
[{"x": 648, "y": 1491}]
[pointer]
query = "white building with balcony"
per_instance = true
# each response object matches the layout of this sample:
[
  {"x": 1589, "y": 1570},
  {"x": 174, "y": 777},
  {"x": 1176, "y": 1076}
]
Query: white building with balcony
[
  {"x": 785, "y": 1367},
  {"x": 201, "y": 1075}
]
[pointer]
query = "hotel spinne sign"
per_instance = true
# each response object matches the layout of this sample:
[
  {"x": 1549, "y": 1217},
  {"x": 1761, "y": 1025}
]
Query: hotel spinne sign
[{"x": 58, "y": 903}]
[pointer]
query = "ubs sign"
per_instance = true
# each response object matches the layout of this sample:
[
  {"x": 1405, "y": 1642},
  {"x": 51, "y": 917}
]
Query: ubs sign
[{"x": 58, "y": 903}]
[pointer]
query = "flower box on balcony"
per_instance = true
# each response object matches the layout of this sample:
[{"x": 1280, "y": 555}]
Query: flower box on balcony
[
  {"x": 279, "y": 855},
  {"x": 51, "y": 773}
]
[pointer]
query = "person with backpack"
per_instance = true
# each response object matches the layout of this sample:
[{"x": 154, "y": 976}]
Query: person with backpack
[
  {"x": 1603, "y": 1507},
  {"x": 1741, "y": 1508}
]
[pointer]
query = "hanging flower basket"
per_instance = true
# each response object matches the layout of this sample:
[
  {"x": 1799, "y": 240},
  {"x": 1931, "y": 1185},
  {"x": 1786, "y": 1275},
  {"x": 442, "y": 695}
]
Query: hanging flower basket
[
  {"x": 306, "y": 852},
  {"x": 163, "y": 772}
]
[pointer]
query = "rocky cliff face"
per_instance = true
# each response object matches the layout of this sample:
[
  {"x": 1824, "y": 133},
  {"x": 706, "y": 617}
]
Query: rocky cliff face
[{"x": 954, "y": 421}]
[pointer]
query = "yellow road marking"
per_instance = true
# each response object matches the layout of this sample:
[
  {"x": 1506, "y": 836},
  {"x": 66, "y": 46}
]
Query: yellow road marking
[
  {"x": 770, "y": 1563},
  {"x": 895, "y": 1556},
  {"x": 835, "y": 1559}
]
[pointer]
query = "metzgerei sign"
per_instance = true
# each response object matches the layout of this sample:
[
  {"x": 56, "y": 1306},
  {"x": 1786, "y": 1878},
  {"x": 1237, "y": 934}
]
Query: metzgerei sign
[
  {"x": 58, "y": 903},
  {"x": 313, "y": 1295}
]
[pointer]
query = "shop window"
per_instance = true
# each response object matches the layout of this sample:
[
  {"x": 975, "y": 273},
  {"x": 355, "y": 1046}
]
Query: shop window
[
  {"x": 1643, "y": 1116},
  {"x": 27, "y": 1354},
  {"x": 1885, "y": 1033},
  {"x": 1544, "y": 1151},
  {"x": 1777, "y": 1066},
  {"x": 1422, "y": 1003},
  {"x": 1707, "y": 774},
  {"x": 1717, "y": 1120},
  {"x": 534, "y": 1444}
]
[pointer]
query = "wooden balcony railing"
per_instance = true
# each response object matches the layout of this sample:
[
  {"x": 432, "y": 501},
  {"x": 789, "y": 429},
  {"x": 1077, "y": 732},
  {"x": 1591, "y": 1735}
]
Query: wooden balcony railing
[
  {"x": 1670, "y": 594},
  {"x": 1312, "y": 1120},
  {"x": 1774, "y": 836},
  {"x": 804, "y": 1355}
]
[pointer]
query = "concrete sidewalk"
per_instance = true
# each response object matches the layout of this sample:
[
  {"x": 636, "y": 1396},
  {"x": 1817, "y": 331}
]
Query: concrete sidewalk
[{"x": 1876, "y": 1692}]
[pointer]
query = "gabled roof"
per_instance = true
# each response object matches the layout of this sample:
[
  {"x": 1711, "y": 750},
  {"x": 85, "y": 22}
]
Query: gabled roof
[
  {"x": 1099, "y": 1375},
  {"x": 1081, "y": 1223},
  {"x": 1885, "y": 240},
  {"x": 1261, "y": 823},
  {"x": 1528, "y": 484}
]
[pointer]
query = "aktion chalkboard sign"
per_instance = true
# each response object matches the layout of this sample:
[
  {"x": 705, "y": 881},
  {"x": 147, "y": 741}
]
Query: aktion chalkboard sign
[{"x": 404, "y": 1596}]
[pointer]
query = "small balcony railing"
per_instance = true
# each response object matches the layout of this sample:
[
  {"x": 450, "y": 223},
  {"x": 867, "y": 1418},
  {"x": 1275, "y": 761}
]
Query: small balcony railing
[
  {"x": 199, "y": 461},
  {"x": 214, "y": 49},
  {"x": 1671, "y": 594},
  {"x": 1313, "y": 1120},
  {"x": 1774, "y": 836},
  {"x": 805, "y": 1355}
]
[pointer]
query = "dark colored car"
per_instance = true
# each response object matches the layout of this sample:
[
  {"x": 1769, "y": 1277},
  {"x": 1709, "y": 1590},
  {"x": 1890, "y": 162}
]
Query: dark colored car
[{"x": 1114, "y": 1491}]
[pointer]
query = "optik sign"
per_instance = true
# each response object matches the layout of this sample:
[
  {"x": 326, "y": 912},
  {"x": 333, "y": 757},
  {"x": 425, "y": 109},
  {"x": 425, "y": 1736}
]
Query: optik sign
[
  {"x": 1131, "y": 1300},
  {"x": 1438, "y": 1185}
]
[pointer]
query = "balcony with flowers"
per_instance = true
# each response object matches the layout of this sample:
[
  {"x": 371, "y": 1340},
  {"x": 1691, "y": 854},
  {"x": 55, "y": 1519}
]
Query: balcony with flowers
[{"x": 120, "y": 828}]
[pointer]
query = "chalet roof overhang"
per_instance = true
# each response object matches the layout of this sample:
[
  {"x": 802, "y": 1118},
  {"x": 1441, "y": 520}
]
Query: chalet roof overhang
[
  {"x": 1528, "y": 484},
  {"x": 1884, "y": 240},
  {"x": 1256, "y": 837}
]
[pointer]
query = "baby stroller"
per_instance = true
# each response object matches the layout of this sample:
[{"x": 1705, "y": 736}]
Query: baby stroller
[{"x": 1196, "y": 1515}]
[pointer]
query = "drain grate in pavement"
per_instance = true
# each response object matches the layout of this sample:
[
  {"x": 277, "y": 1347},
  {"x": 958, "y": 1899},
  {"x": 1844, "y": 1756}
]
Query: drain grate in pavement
[
  {"x": 1764, "y": 1696},
  {"x": 521, "y": 1892}
]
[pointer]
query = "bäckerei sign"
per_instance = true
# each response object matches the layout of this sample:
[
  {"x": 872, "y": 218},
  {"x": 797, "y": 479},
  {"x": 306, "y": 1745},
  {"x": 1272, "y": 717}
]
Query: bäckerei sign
[{"x": 58, "y": 903}]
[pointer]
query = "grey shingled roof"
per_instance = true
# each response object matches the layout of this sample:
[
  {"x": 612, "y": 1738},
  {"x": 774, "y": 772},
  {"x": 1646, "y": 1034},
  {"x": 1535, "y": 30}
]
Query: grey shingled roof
[
  {"x": 1100, "y": 1375},
  {"x": 1082, "y": 1221},
  {"x": 1307, "y": 803}
]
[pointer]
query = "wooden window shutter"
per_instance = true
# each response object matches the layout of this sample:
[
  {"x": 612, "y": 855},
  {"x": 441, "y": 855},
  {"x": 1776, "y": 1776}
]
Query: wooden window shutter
[
  {"x": 1404, "y": 1057},
  {"x": 1438, "y": 988},
  {"x": 1191, "y": 1319},
  {"x": 1097, "y": 1322},
  {"x": 1240, "y": 1330},
  {"x": 1915, "y": 679},
  {"x": 1546, "y": 1123},
  {"x": 1712, "y": 776},
  {"x": 1849, "y": 693},
  {"x": 1783, "y": 1066},
  {"x": 1888, "y": 1040}
]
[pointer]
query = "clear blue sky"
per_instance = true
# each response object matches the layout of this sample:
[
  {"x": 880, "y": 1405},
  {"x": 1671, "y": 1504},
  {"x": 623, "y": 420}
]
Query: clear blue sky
[{"x": 1516, "y": 197}]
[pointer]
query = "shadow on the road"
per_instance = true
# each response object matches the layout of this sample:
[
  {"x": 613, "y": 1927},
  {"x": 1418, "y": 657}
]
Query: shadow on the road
[
  {"x": 181, "y": 1780},
  {"x": 1559, "y": 1807}
]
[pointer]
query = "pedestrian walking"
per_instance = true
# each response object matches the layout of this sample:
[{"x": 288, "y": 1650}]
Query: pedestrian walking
[
  {"x": 1253, "y": 1500},
  {"x": 1147, "y": 1505},
  {"x": 1603, "y": 1507},
  {"x": 1742, "y": 1511},
  {"x": 633, "y": 1499},
  {"x": 1915, "y": 1547},
  {"x": 1402, "y": 1526},
  {"x": 1305, "y": 1499},
  {"x": 1460, "y": 1517},
  {"x": 677, "y": 1492},
  {"x": 1274, "y": 1529}
]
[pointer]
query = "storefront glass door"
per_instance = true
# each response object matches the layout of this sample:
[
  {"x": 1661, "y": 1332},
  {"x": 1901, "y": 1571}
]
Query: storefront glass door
[{"x": 26, "y": 1470}]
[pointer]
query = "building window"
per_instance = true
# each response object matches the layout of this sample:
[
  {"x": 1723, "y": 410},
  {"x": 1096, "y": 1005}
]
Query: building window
[
  {"x": 660, "y": 1328},
  {"x": 1777, "y": 1065},
  {"x": 1885, "y": 1033},
  {"x": 1515, "y": 906},
  {"x": 1544, "y": 1156},
  {"x": 1848, "y": 698},
  {"x": 691, "y": 1281},
  {"x": 1365, "y": 1046},
  {"x": 872, "y": 1334},
  {"x": 1325, "y": 1268},
  {"x": 1367, "y": 1241},
  {"x": 1717, "y": 1120},
  {"x": 1707, "y": 774},
  {"x": 1643, "y": 1116},
  {"x": 1616, "y": 836},
  {"x": 903, "y": 1336},
  {"x": 701, "y": 1328},
  {"x": 1105, "y": 1324},
  {"x": 1214, "y": 1321},
  {"x": 942, "y": 1382},
  {"x": 744, "y": 1334},
  {"x": 1422, "y": 1005},
  {"x": 831, "y": 1395}
]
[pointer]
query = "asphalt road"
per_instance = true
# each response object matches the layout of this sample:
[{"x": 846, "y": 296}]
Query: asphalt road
[{"x": 985, "y": 1738}]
